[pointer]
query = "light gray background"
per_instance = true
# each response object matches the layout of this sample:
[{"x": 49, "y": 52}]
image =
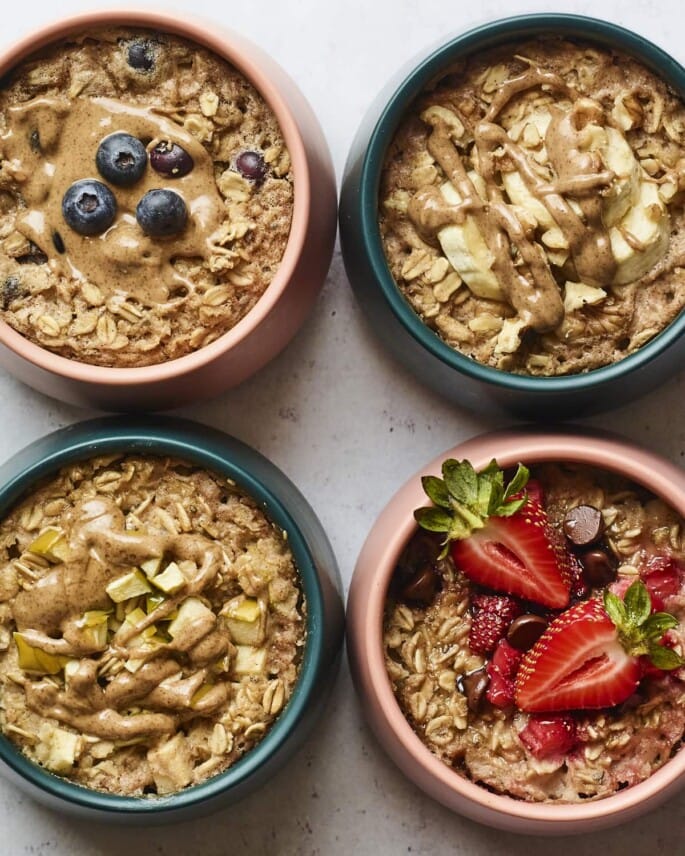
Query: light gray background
[{"x": 348, "y": 426}]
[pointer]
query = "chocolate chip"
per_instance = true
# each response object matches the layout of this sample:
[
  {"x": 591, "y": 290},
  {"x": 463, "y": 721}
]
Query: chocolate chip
[
  {"x": 473, "y": 686},
  {"x": 34, "y": 141},
  {"x": 599, "y": 567},
  {"x": 525, "y": 631},
  {"x": 58, "y": 242},
  {"x": 584, "y": 525},
  {"x": 422, "y": 587}
]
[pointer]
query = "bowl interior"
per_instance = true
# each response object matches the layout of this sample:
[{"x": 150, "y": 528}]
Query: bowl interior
[
  {"x": 195, "y": 449},
  {"x": 433, "y": 67},
  {"x": 643, "y": 468}
]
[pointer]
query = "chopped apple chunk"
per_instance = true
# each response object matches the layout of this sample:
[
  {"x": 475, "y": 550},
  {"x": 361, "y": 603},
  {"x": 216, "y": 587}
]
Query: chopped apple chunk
[
  {"x": 57, "y": 749},
  {"x": 171, "y": 765},
  {"x": 249, "y": 660},
  {"x": 51, "y": 544},
  {"x": 245, "y": 620},
  {"x": 130, "y": 585},
  {"x": 151, "y": 567},
  {"x": 170, "y": 580},
  {"x": 192, "y": 612},
  {"x": 32, "y": 659}
]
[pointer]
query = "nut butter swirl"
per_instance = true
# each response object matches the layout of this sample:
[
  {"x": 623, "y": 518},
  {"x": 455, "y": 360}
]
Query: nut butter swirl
[
  {"x": 519, "y": 262},
  {"x": 49, "y": 617},
  {"x": 50, "y": 142}
]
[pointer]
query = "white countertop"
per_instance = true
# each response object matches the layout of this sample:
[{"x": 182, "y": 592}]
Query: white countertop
[{"x": 348, "y": 425}]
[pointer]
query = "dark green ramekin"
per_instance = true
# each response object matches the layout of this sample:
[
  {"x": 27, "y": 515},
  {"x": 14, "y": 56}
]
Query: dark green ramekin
[
  {"x": 288, "y": 509},
  {"x": 450, "y": 373}
]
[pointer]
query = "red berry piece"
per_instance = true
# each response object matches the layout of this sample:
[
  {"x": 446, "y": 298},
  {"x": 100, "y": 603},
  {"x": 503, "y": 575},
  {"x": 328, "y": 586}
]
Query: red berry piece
[
  {"x": 502, "y": 671},
  {"x": 549, "y": 735},
  {"x": 662, "y": 576},
  {"x": 491, "y": 617}
]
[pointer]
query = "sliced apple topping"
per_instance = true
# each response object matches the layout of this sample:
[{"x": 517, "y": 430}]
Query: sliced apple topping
[
  {"x": 51, "y": 544},
  {"x": 129, "y": 586}
]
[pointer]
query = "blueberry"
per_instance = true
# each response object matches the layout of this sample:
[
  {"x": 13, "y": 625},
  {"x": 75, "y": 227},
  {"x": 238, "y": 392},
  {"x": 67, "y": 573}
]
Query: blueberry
[
  {"x": 141, "y": 56},
  {"x": 251, "y": 165},
  {"x": 161, "y": 213},
  {"x": 11, "y": 290},
  {"x": 89, "y": 207},
  {"x": 121, "y": 159},
  {"x": 170, "y": 160}
]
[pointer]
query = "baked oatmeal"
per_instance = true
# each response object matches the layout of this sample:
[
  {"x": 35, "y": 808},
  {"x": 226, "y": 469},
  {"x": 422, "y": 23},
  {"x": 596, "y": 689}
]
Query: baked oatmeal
[
  {"x": 531, "y": 206},
  {"x": 152, "y": 624},
  {"x": 146, "y": 196},
  {"x": 540, "y": 655}
]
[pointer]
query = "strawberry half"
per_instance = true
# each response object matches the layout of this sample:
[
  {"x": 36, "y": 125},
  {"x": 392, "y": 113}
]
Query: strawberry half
[
  {"x": 502, "y": 539},
  {"x": 519, "y": 555},
  {"x": 590, "y": 656}
]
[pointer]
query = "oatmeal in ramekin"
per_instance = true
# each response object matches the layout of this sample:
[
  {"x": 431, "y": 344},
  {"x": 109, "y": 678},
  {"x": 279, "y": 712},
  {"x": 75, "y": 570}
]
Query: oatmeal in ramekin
[
  {"x": 531, "y": 206},
  {"x": 152, "y": 624},
  {"x": 540, "y": 653},
  {"x": 146, "y": 197}
]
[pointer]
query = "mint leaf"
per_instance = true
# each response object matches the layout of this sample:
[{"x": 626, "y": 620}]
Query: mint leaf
[
  {"x": 638, "y": 603},
  {"x": 436, "y": 490},
  {"x": 433, "y": 519},
  {"x": 657, "y": 624},
  {"x": 665, "y": 658},
  {"x": 615, "y": 609}
]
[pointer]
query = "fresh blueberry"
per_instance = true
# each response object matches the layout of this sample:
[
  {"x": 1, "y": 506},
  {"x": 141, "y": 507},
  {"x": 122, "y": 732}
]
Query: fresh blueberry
[
  {"x": 121, "y": 159},
  {"x": 89, "y": 207},
  {"x": 161, "y": 213},
  {"x": 170, "y": 160},
  {"x": 251, "y": 165},
  {"x": 141, "y": 56}
]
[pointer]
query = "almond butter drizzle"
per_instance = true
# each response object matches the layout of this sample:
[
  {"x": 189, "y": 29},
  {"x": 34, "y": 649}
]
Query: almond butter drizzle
[
  {"x": 51, "y": 143},
  {"x": 530, "y": 288},
  {"x": 47, "y": 615}
]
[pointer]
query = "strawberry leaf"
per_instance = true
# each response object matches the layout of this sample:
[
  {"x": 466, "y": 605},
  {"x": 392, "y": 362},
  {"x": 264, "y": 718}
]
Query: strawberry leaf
[
  {"x": 511, "y": 507},
  {"x": 433, "y": 519},
  {"x": 657, "y": 624},
  {"x": 638, "y": 603},
  {"x": 436, "y": 490},
  {"x": 615, "y": 609},
  {"x": 665, "y": 658},
  {"x": 519, "y": 481},
  {"x": 461, "y": 481}
]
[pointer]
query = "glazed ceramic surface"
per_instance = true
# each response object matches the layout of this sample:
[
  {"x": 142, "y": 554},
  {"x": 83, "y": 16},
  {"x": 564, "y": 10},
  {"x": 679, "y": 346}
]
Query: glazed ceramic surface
[
  {"x": 372, "y": 575},
  {"x": 281, "y": 310},
  {"x": 450, "y": 373},
  {"x": 288, "y": 509}
]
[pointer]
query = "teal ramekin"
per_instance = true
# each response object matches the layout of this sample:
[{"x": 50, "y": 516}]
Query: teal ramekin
[
  {"x": 288, "y": 509},
  {"x": 460, "y": 378}
]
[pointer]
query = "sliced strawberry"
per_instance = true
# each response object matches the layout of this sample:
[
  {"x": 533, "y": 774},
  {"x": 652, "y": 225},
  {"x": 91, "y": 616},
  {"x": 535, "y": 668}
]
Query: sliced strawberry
[
  {"x": 546, "y": 735},
  {"x": 662, "y": 576},
  {"x": 519, "y": 555},
  {"x": 577, "y": 663},
  {"x": 502, "y": 672},
  {"x": 491, "y": 616}
]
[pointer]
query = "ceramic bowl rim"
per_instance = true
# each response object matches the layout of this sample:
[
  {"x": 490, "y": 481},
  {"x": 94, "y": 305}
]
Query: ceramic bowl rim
[
  {"x": 427, "y": 69},
  {"x": 247, "y": 58},
  {"x": 189, "y": 441}
]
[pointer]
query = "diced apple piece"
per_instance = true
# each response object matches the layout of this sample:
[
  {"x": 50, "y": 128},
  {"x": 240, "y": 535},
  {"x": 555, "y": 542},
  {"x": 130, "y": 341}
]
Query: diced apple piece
[
  {"x": 51, "y": 544},
  {"x": 152, "y": 601},
  {"x": 151, "y": 566},
  {"x": 94, "y": 617},
  {"x": 96, "y": 636},
  {"x": 170, "y": 580},
  {"x": 171, "y": 765},
  {"x": 204, "y": 690},
  {"x": 243, "y": 609},
  {"x": 191, "y": 612},
  {"x": 244, "y": 619},
  {"x": 33, "y": 659},
  {"x": 249, "y": 660},
  {"x": 60, "y": 747},
  {"x": 130, "y": 585}
]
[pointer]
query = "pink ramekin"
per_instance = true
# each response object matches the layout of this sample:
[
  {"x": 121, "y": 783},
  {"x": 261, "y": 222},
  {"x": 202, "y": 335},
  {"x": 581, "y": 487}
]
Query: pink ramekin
[
  {"x": 281, "y": 310},
  {"x": 375, "y": 566}
]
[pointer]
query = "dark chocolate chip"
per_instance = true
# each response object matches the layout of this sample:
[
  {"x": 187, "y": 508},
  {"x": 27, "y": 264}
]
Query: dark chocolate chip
[
  {"x": 473, "y": 686},
  {"x": 584, "y": 525},
  {"x": 525, "y": 631},
  {"x": 34, "y": 141},
  {"x": 422, "y": 587},
  {"x": 11, "y": 289},
  {"x": 599, "y": 567},
  {"x": 58, "y": 242}
]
